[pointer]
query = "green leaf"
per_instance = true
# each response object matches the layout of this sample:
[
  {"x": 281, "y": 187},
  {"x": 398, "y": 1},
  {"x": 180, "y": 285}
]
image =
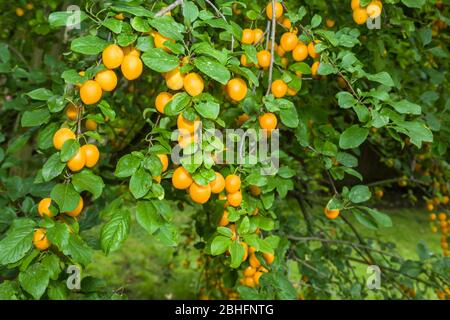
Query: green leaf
[
  {"x": 139, "y": 24},
  {"x": 35, "y": 280},
  {"x": 106, "y": 109},
  {"x": 289, "y": 117},
  {"x": 52, "y": 167},
  {"x": 127, "y": 165},
  {"x": 414, "y": 3},
  {"x": 208, "y": 109},
  {"x": 365, "y": 220},
  {"x": 125, "y": 39},
  {"x": 237, "y": 252},
  {"x": 353, "y": 137},
  {"x": 40, "y": 94},
  {"x": 404, "y": 106},
  {"x": 177, "y": 104},
  {"x": 140, "y": 183},
  {"x": 17, "y": 242},
  {"x": 168, "y": 235},
  {"x": 66, "y": 18},
  {"x": 153, "y": 164},
  {"x": 115, "y": 231},
  {"x": 78, "y": 250},
  {"x": 382, "y": 77},
  {"x": 359, "y": 193},
  {"x": 213, "y": 69},
  {"x": 51, "y": 262},
  {"x": 382, "y": 219},
  {"x": 65, "y": 197},
  {"x": 190, "y": 11},
  {"x": 159, "y": 60},
  {"x": 133, "y": 10},
  {"x": 69, "y": 150},
  {"x": 89, "y": 45},
  {"x": 86, "y": 180},
  {"x": 168, "y": 27},
  {"x": 345, "y": 100},
  {"x": 147, "y": 217},
  {"x": 219, "y": 245},
  {"x": 113, "y": 24},
  {"x": 59, "y": 234},
  {"x": 35, "y": 117}
]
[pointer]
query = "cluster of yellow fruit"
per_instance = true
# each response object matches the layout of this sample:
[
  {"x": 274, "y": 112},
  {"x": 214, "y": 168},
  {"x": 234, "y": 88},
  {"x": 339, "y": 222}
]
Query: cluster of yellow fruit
[
  {"x": 440, "y": 222},
  {"x": 72, "y": 115},
  {"x": 361, "y": 14},
  {"x": 182, "y": 180},
  {"x": 255, "y": 270},
  {"x": 130, "y": 63},
  {"x": 20, "y": 12},
  {"x": 87, "y": 155},
  {"x": 443, "y": 294}
]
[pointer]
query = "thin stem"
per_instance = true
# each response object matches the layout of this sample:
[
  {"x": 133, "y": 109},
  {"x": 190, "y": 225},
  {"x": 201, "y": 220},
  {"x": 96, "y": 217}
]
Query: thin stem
[
  {"x": 272, "y": 48},
  {"x": 168, "y": 8},
  {"x": 224, "y": 19}
]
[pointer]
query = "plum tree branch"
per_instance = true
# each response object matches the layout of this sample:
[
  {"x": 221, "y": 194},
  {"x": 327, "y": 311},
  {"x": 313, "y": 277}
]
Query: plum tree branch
[
  {"x": 171, "y": 6},
  {"x": 272, "y": 47}
]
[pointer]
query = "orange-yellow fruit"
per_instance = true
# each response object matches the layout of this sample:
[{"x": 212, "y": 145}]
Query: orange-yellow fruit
[
  {"x": 245, "y": 245},
  {"x": 355, "y": 4},
  {"x": 119, "y": 16},
  {"x": 91, "y": 92},
  {"x": 236, "y": 89},
  {"x": 300, "y": 52},
  {"x": 360, "y": 16},
  {"x": 278, "y": 10},
  {"x": 331, "y": 213},
  {"x": 193, "y": 84},
  {"x": 330, "y": 23},
  {"x": 44, "y": 207},
  {"x": 253, "y": 260},
  {"x": 288, "y": 41},
  {"x": 185, "y": 126},
  {"x": 432, "y": 216},
  {"x": 315, "y": 68},
  {"x": 249, "y": 271},
  {"x": 174, "y": 79},
  {"x": 131, "y": 67},
  {"x": 430, "y": 207},
  {"x": 200, "y": 194},
  {"x": 249, "y": 282},
  {"x": 264, "y": 58},
  {"x": 255, "y": 190},
  {"x": 78, "y": 161},
  {"x": 244, "y": 61},
  {"x": 181, "y": 179},
  {"x": 374, "y": 9},
  {"x": 442, "y": 216},
  {"x": 224, "y": 219},
  {"x": 90, "y": 124},
  {"x": 112, "y": 56},
  {"x": 312, "y": 50},
  {"x": 185, "y": 139},
  {"x": 279, "y": 50},
  {"x": 218, "y": 184},
  {"x": 61, "y": 136},
  {"x": 75, "y": 212},
  {"x": 40, "y": 240},
  {"x": 268, "y": 257},
  {"x": 164, "y": 161},
  {"x": 279, "y": 88},
  {"x": 107, "y": 79},
  {"x": 291, "y": 92},
  {"x": 232, "y": 183},
  {"x": 235, "y": 199},
  {"x": 159, "y": 41},
  {"x": 268, "y": 121},
  {"x": 248, "y": 36},
  {"x": 72, "y": 112},
  {"x": 20, "y": 12},
  {"x": 242, "y": 118},
  {"x": 287, "y": 23},
  {"x": 258, "y": 35},
  {"x": 256, "y": 277},
  {"x": 131, "y": 50},
  {"x": 92, "y": 154}
]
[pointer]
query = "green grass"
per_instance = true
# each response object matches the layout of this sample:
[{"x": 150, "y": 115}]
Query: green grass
[{"x": 145, "y": 269}]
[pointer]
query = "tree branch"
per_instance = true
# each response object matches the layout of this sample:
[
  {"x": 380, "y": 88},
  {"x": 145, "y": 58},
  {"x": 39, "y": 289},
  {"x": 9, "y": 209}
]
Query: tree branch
[
  {"x": 224, "y": 18},
  {"x": 168, "y": 8},
  {"x": 272, "y": 48}
]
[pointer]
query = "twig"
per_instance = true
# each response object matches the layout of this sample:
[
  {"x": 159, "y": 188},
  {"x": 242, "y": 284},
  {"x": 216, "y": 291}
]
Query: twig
[
  {"x": 168, "y": 8},
  {"x": 272, "y": 49},
  {"x": 224, "y": 19}
]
